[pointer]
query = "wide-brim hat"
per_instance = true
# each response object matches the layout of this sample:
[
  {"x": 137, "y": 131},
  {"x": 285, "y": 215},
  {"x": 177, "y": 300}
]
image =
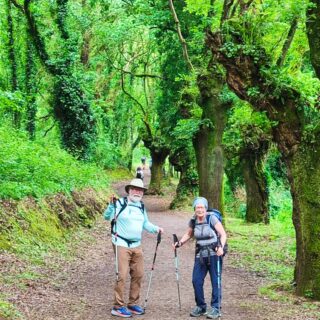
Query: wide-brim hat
[{"x": 137, "y": 183}]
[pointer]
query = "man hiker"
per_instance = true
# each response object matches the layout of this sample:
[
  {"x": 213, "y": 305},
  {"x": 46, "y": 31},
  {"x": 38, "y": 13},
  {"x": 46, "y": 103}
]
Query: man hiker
[
  {"x": 139, "y": 173},
  {"x": 210, "y": 241},
  {"x": 129, "y": 218}
]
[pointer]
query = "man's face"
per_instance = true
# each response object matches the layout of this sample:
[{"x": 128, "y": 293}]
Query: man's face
[{"x": 135, "y": 194}]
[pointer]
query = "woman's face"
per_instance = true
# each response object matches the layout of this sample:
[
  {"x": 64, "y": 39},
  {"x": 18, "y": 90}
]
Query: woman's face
[
  {"x": 135, "y": 194},
  {"x": 200, "y": 210}
]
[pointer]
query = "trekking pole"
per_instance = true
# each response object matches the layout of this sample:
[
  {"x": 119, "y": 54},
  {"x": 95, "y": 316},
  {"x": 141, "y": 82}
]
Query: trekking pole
[
  {"x": 152, "y": 268},
  {"x": 114, "y": 200},
  {"x": 219, "y": 283},
  {"x": 175, "y": 240}
]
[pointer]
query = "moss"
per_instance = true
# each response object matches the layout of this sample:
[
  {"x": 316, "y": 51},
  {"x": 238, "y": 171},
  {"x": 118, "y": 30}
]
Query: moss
[
  {"x": 4, "y": 242},
  {"x": 32, "y": 228}
]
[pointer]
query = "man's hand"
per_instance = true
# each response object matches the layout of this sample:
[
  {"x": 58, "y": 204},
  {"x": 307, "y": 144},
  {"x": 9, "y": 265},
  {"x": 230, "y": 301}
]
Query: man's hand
[{"x": 113, "y": 199}]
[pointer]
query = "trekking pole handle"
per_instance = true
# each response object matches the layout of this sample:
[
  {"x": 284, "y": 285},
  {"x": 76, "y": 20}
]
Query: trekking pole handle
[
  {"x": 175, "y": 240},
  {"x": 159, "y": 237}
]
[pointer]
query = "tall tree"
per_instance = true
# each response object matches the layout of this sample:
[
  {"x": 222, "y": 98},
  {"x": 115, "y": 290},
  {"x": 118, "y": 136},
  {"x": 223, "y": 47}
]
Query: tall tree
[
  {"x": 246, "y": 140},
  {"x": 71, "y": 108},
  {"x": 12, "y": 59},
  {"x": 251, "y": 75}
]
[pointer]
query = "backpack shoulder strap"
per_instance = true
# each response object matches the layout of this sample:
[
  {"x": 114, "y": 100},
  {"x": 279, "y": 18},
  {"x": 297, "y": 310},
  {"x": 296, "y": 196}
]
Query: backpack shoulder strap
[
  {"x": 142, "y": 207},
  {"x": 123, "y": 206},
  {"x": 193, "y": 223},
  {"x": 114, "y": 220}
]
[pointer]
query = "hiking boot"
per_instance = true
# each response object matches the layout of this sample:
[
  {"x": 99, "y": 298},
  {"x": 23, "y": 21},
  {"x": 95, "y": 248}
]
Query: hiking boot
[
  {"x": 136, "y": 309},
  {"x": 213, "y": 314},
  {"x": 197, "y": 312},
  {"x": 121, "y": 312}
]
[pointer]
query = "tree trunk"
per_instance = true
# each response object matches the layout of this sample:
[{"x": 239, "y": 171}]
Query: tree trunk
[
  {"x": 13, "y": 62},
  {"x": 208, "y": 141},
  {"x": 313, "y": 33},
  {"x": 30, "y": 89},
  {"x": 256, "y": 188},
  {"x": 182, "y": 160},
  {"x": 186, "y": 190},
  {"x": 158, "y": 158},
  {"x": 284, "y": 105},
  {"x": 71, "y": 109},
  {"x": 304, "y": 177}
]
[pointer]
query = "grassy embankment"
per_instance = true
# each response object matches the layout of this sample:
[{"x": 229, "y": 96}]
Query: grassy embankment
[{"x": 45, "y": 196}]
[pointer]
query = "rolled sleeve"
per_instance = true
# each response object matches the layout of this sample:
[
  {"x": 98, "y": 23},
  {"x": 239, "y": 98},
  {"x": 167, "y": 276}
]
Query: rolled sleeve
[
  {"x": 109, "y": 212},
  {"x": 148, "y": 226}
]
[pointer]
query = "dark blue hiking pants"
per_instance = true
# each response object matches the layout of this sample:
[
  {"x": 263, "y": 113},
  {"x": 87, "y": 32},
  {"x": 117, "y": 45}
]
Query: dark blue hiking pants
[{"x": 200, "y": 271}]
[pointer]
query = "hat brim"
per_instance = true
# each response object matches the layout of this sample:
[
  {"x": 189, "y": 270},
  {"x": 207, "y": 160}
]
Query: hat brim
[{"x": 130, "y": 185}]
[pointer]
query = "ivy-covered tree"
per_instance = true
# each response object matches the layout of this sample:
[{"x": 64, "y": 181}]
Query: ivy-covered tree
[
  {"x": 250, "y": 59},
  {"x": 247, "y": 140},
  {"x": 71, "y": 108}
]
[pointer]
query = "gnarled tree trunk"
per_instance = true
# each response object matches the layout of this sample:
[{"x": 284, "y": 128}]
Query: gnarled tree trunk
[
  {"x": 208, "y": 140},
  {"x": 158, "y": 158},
  {"x": 256, "y": 186},
  {"x": 300, "y": 151},
  {"x": 183, "y": 161}
]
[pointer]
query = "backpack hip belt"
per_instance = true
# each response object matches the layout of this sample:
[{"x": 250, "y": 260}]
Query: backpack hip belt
[
  {"x": 200, "y": 249},
  {"x": 129, "y": 242},
  {"x": 114, "y": 221}
]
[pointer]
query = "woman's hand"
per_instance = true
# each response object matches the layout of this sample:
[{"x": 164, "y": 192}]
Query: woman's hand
[
  {"x": 219, "y": 251},
  {"x": 176, "y": 245}
]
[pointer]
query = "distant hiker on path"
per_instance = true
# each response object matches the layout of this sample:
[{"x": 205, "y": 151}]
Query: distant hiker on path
[
  {"x": 139, "y": 173},
  {"x": 143, "y": 162},
  {"x": 128, "y": 218},
  {"x": 206, "y": 228}
]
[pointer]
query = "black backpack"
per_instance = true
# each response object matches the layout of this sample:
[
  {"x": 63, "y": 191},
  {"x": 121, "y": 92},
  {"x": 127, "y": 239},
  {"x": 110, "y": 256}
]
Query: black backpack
[{"x": 218, "y": 215}]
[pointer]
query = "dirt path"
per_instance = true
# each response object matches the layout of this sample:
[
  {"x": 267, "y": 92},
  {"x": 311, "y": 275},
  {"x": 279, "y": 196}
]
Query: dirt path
[{"x": 82, "y": 289}]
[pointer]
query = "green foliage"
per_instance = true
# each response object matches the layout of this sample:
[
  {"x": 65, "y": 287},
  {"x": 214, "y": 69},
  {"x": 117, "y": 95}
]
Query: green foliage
[
  {"x": 276, "y": 243},
  {"x": 11, "y": 101},
  {"x": 7, "y": 310},
  {"x": 75, "y": 117},
  {"x": 36, "y": 169},
  {"x": 246, "y": 129},
  {"x": 106, "y": 154}
]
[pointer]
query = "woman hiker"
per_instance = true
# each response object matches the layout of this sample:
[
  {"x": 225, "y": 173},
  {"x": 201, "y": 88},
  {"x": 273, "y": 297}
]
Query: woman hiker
[{"x": 210, "y": 241}]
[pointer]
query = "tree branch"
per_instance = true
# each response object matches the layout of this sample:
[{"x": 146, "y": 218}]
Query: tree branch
[
  {"x": 181, "y": 38},
  {"x": 288, "y": 41},
  {"x": 37, "y": 40},
  {"x": 17, "y": 5},
  {"x": 130, "y": 96},
  {"x": 244, "y": 6},
  {"x": 47, "y": 131},
  {"x": 227, "y": 4}
]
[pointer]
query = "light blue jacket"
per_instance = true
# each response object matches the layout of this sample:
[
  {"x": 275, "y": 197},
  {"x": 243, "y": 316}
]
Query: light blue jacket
[{"x": 130, "y": 223}]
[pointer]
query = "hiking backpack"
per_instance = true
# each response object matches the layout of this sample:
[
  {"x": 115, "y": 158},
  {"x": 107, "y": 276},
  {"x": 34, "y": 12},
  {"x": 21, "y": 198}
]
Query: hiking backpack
[
  {"x": 218, "y": 215},
  {"x": 114, "y": 220}
]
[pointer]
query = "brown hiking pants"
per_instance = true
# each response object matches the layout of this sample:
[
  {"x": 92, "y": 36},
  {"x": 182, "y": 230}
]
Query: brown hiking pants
[{"x": 129, "y": 260}]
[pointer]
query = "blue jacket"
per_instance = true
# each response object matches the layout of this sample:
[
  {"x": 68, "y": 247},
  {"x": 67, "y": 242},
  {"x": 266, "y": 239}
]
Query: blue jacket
[{"x": 130, "y": 223}]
